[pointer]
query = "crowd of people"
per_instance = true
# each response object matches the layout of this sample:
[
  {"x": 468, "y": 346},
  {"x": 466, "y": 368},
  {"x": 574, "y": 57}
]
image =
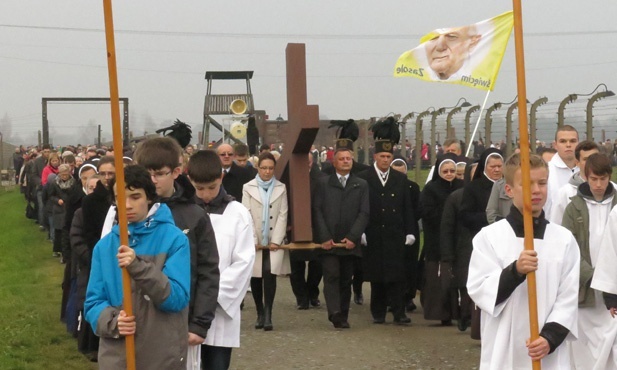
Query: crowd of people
[{"x": 206, "y": 226}]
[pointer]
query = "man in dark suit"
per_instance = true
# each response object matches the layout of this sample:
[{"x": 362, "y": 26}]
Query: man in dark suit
[
  {"x": 358, "y": 278},
  {"x": 234, "y": 176},
  {"x": 389, "y": 231},
  {"x": 340, "y": 213}
]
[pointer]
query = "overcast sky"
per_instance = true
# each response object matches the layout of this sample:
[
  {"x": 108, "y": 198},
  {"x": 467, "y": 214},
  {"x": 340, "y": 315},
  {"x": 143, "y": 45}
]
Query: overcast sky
[{"x": 57, "y": 49}]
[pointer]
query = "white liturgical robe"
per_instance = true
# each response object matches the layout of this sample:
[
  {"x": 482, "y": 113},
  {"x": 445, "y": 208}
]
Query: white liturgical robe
[{"x": 505, "y": 327}]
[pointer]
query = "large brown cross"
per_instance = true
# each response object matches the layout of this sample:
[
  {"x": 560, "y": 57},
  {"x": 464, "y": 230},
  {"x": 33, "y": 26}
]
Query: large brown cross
[{"x": 292, "y": 168}]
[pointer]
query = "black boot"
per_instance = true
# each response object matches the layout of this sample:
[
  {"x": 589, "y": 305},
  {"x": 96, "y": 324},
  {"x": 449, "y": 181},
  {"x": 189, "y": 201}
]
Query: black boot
[
  {"x": 257, "y": 292},
  {"x": 269, "y": 292}
]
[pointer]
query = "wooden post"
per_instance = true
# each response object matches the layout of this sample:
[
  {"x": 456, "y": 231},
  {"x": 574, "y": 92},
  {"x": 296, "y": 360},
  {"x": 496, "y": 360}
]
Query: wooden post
[
  {"x": 292, "y": 167},
  {"x": 525, "y": 169},
  {"x": 127, "y": 303}
]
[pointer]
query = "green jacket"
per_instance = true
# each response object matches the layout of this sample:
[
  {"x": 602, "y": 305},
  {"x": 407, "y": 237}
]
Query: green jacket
[{"x": 576, "y": 219}]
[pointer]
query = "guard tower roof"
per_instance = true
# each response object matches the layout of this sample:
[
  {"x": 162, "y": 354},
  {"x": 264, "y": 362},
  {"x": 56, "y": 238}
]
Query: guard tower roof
[{"x": 229, "y": 75}]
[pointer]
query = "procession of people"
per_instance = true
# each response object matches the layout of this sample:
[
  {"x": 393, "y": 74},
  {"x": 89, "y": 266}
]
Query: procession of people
[{"x": 207, "y": 231}]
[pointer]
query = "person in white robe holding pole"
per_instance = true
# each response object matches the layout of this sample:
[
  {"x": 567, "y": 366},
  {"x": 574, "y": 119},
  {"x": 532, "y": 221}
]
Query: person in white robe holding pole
[{"x": 498, "y": 268}]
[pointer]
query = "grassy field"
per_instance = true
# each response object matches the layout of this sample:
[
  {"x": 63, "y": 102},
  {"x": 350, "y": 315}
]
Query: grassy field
[{"x": 31, "y": 334}]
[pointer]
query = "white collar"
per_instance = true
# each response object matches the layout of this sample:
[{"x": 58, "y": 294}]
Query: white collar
[
  {"x": 382, "y": 176},
  {"x": 559, "y": 163}
]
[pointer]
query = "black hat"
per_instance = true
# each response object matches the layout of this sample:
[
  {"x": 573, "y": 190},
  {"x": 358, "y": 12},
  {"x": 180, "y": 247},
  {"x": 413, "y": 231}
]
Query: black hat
[
  {"x": 346, "y": 129},
  {"x": 344, "y": 144},
  {"x": 386, "y": 134},
  {"x": 383, "y": 145},
  {"x": 179, "y": 131}
]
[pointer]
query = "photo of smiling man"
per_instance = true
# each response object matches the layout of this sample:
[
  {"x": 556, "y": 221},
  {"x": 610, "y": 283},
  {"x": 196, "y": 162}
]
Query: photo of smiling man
[
  {"x": 469, "y": 55},
  {"x": 450, "y": 50}
]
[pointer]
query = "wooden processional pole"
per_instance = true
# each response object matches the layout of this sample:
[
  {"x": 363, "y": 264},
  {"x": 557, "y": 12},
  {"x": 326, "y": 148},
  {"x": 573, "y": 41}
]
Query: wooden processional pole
[
  {"x": 114, "y": 101},
  {"x": 525, "y": 168}
]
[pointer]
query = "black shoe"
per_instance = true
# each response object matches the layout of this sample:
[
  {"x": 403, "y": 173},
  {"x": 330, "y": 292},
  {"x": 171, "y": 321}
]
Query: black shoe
[
  {"x": 358, "y": 298},
  {"x": 268, "y": 319},
  {"x": 379, "y": 320},
  {"x": 410, "y": 307},
  {"x": 446, "y": 322},
  {"x": 463, "y": 324},
  {"x": 345, "y": 325},
  {"x": 303, "y": 306},
  {"x": 259, "y": 324},
  {"x": 315, "y": 302},
  {"x": 402, "y": 320},
  {"x": 337, "y": 320}
]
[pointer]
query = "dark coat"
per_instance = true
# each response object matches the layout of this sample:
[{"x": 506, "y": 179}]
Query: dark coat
[
  {"x": 235, "y": 179},
  {"x": 433, "y": 199},
  {"x": 81, "y": 257},
  {"x": 476, "y": 195},
  {"x": 473, "y": 206},
  {"x": 86, "y": 230},
  {"x": 455, "y": 241},
  {"x": 391, "y": 219},
  {"x": 58, "y": 212},
  {"x": 205, "y": 275},
  {"x": 94, "y": 210},
  {"x": 340, "y": 212}
]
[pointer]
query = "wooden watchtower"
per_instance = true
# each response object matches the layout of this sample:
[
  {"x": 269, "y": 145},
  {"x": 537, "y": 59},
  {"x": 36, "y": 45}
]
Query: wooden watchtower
[{"x": 218, "y": 104}]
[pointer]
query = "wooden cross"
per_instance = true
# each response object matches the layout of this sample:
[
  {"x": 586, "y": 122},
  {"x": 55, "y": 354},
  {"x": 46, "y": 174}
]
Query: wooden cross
[{"x": 292, "y": 167}]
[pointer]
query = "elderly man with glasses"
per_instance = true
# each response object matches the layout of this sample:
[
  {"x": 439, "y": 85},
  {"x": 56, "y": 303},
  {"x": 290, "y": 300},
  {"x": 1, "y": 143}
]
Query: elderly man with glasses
[{"x": 234, "y": 176}]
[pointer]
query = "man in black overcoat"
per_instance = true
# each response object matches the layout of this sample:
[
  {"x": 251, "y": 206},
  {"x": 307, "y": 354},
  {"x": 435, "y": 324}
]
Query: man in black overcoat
[
  {"x": 389, "y": 231},
  {"x": 234, "y": 176},
  {"x": 340, "y": 213}
]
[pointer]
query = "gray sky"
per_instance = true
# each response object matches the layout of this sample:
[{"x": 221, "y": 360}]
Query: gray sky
[{"x": 57, "y": 48}]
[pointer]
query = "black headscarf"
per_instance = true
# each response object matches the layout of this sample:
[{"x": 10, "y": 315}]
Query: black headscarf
[{"x": 482, "y": 161}]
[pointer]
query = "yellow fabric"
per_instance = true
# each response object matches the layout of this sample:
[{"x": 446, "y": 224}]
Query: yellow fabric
[{"x": 468, "y": 55}]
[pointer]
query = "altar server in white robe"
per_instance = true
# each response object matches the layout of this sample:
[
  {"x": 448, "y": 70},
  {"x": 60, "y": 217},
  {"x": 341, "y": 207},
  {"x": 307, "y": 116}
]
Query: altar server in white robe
[
  {"x": 562, "y": 198},
  {"x": 586, "y": 217},
  {"x": 233, "y": 228},
  {"x": 563, "y": 164},
  {"x": 497, "y": 275}
]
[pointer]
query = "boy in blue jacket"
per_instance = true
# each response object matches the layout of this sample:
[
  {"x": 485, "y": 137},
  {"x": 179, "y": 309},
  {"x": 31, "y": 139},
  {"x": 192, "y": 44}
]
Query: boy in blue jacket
[{"x": 158, "y": 261}]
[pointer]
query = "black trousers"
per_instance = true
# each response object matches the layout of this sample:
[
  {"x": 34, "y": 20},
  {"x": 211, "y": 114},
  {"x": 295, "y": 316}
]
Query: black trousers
[
  {"x": 337, "y": 276},
  {"x": 387, "y": 294},
  {"x": 215, "y": 358},
  {"x": 358, "y": 276},
  {"x": 305, "y": 285}
]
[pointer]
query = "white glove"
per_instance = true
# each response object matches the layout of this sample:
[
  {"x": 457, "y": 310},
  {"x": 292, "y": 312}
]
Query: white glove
[
  {"x": 410, "y": 239},
  {"x": 363, "y": 239}
]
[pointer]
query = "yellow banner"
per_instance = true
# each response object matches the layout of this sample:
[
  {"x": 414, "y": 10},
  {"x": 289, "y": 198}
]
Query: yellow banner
[{"x": 469, "y": 55}]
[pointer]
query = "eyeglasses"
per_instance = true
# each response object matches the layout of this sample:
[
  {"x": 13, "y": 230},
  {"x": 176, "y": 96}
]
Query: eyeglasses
[
  {"x": 226, "y": 154},
  {"x": 448, "y": 171},
  {"x": 266, "y": 168},
  {"x": 159, "y": 175}
]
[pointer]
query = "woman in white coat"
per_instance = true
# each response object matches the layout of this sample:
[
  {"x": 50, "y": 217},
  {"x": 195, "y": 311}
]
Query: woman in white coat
[{"x": 266, "y": 199}]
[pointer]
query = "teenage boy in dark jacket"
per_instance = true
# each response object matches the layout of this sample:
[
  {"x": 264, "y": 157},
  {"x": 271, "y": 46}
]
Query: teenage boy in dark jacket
[{"x": 161, "y": 157}]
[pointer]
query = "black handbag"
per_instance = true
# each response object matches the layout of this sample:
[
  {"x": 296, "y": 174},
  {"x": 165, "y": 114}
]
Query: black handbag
[{"x": 31, "y": 211}]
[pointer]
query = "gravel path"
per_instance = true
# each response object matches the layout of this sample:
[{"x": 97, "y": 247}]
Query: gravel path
[{"x": 307, "y": 340}]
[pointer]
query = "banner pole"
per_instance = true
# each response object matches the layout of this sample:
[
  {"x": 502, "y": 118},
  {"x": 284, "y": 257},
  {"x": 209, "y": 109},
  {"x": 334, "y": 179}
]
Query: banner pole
[
  {"x": 127, "y": 301},
  {"x": 525, "y": 169},
  {"x": 475, "y": 129}
]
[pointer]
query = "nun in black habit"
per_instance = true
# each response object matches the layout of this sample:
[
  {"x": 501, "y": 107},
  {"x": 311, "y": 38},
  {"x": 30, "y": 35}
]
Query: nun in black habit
[{"x": 432, "y": 201}]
